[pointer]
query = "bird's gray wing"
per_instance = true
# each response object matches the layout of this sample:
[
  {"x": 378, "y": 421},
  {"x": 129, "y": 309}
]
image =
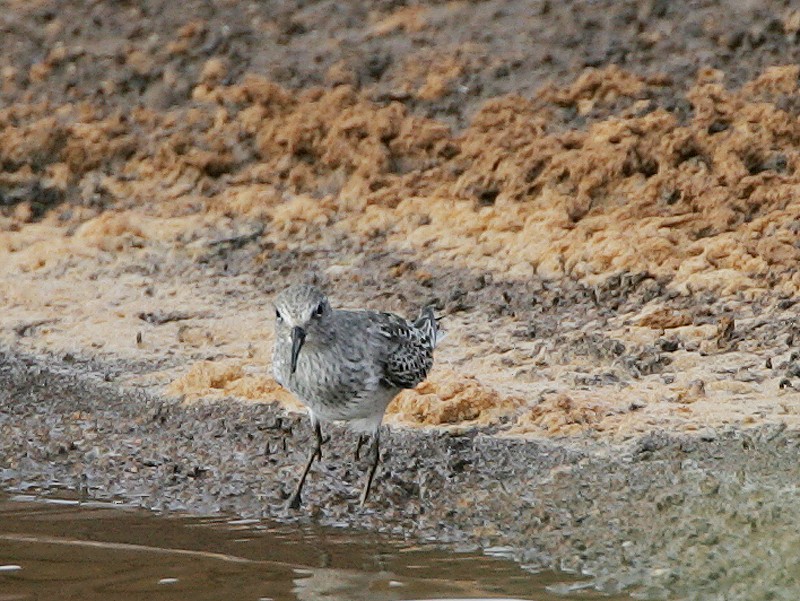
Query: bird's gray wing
[{"x": 407, "y": 352}]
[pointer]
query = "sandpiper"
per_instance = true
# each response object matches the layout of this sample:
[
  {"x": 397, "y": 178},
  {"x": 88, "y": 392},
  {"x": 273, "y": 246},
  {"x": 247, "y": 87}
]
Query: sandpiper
[{"x": 347, "y": 365}]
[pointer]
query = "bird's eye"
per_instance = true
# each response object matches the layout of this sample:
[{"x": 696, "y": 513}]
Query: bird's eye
[
  {"x": 278, "y": 316},
  {"x": 319, "y": 310}
]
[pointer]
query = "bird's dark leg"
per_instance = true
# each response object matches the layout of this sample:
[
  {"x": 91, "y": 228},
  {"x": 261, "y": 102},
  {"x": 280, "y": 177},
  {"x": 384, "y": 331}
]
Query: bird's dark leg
[
  {"x": 362, "y": 438},
  {"x": 320, "y": 442},
  {"x": 375, "y": 459},
  {"x": 316, "y": 453}
]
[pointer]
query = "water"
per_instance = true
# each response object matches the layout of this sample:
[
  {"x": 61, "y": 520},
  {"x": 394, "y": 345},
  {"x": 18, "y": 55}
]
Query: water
[{"x": 62, "y": 549}]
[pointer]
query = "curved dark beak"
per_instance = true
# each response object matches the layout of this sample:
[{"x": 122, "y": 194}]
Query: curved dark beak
[{"x": 298, "y": 338}]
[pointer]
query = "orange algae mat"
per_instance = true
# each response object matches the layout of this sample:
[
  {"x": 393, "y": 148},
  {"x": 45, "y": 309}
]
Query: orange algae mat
[{"x": 124, "y": 212}]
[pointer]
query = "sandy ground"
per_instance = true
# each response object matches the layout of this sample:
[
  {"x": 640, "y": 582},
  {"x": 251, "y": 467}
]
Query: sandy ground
[
  {"x": 601, "y": 199},
  {"x": 616, "y": 254}
]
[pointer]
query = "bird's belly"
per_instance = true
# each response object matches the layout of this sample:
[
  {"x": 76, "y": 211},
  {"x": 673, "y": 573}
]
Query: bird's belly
[
  {"x": 336, "y": 388},
  {"x": 344, "y": 403}
]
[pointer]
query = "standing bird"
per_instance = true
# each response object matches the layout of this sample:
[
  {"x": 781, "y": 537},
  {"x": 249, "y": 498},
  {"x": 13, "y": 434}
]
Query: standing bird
[{"x": 347, "y": 365}]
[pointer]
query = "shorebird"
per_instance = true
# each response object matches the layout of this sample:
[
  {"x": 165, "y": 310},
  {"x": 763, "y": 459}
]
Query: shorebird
[{"x": 347, "y": 365}]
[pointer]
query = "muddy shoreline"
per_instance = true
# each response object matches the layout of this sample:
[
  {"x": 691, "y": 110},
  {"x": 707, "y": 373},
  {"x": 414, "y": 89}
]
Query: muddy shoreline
[
  {"x": 600, "y": 197},
  {"x": 665, "y": 516}
]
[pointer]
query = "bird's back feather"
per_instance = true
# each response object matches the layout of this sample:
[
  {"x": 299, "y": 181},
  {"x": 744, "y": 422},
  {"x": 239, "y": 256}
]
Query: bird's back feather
[{"x": 409, "y": 349}]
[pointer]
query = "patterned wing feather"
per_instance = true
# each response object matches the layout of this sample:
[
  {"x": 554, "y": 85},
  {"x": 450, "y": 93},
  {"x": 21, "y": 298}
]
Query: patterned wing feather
[{"x": 409, "y": 349}]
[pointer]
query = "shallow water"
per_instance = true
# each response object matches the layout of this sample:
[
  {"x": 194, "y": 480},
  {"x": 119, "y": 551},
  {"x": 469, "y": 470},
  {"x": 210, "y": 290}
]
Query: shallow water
[{"x": 60, "y": 548}]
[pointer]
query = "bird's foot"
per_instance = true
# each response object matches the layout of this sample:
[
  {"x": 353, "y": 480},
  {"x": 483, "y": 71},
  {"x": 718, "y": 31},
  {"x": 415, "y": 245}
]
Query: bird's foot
[{"x": 294, "y": 502}]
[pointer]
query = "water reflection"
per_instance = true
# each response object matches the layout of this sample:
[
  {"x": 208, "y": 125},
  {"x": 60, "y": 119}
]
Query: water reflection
[
  {"x": 98, "y": 551},
  {"x": 351, "y": 585}
]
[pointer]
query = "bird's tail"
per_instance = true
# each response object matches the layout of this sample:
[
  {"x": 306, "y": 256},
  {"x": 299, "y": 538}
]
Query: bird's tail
[{"x": 426, "y": 322}]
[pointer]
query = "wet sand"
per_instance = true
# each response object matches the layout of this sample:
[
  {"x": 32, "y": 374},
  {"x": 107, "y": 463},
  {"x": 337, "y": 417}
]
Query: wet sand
[{"x": 666, "y": 515}]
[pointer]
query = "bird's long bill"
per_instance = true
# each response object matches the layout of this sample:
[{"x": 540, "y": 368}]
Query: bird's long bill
[{"x": 298, "y": 338}]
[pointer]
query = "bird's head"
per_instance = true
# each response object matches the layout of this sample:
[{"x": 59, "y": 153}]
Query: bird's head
[{"x": 300, "y": 313}]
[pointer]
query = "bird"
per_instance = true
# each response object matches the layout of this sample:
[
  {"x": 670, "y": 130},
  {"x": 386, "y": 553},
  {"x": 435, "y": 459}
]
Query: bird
[{"x": 347, "y": 365}]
